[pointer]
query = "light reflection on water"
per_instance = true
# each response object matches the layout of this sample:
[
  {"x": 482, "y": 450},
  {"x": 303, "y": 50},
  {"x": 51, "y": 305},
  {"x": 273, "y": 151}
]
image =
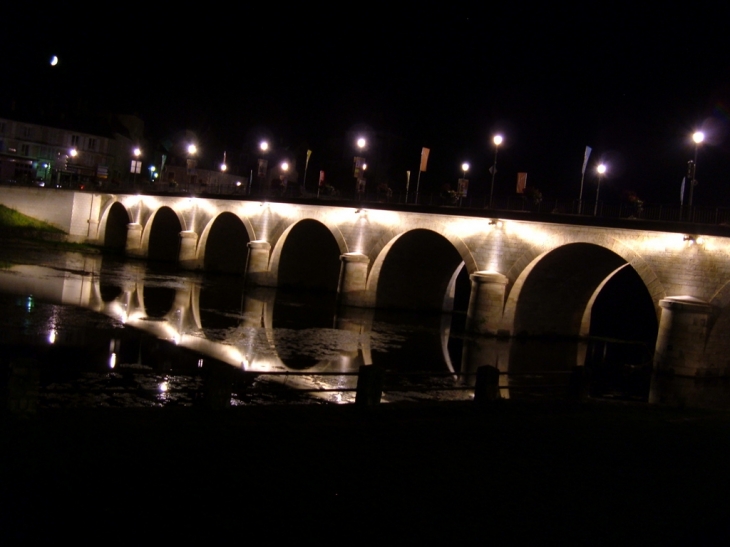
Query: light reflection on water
[{"x": 105, "y": 332}]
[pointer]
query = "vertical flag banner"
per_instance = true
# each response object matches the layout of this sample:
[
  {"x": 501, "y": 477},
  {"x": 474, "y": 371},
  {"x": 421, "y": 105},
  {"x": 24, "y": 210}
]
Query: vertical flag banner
[
  {"x": 321, "y": 178},
  {"x": 521, "y": 182},
  {"x": 424, "y": 158},
  {"x": 462, "y": 188},
  {"x": 586, "y": 155},
  {"x": 681, "y": 191},
  {"x": 263, "y": 164},
  {"x": 358, "y": 166}
]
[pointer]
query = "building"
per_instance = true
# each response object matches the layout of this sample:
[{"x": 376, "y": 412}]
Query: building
[{"x": 35, "y": 154}]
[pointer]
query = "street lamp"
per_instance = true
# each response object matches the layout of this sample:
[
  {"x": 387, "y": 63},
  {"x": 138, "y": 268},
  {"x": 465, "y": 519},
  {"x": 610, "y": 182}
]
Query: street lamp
[
  {"x": 136, "y": 163},
  {"x": 601, "y": 170},
  {"x": 192, "y": 149},
  {"x": 360, "y": 166},
  {"x": 461, "y": 188},
  {"x": 497, "y": 141},
  {"x": 264, "y": 146},
  {"x": 698, "y": 137}
]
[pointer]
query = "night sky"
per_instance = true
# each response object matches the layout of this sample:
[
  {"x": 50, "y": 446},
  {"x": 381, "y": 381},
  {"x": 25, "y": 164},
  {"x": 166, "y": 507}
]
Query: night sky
[{"x": 631, "y": 82}]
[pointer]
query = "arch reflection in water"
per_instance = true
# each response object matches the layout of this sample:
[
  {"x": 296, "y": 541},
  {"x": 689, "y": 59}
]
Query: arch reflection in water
[{"x": 263, "y": 330}]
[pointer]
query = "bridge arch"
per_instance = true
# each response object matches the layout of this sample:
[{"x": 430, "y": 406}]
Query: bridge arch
[
  {"x": 555, "y": 293},
  {"x": 223, "y": 244},
  {"x": 113, "y": 226},
  {"x": 307, "y": 255},
  {"x": 161, "y": 236},
  {"x": 418, "y": 270}
]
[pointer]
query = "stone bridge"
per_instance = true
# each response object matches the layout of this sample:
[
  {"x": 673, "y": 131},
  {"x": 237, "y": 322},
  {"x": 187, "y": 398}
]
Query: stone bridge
[{"x": 531, "y": 276}]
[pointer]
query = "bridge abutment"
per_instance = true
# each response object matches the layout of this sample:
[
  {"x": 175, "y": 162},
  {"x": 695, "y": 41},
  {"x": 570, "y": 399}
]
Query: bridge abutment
[
  {"x": 683, "y": 329},
  {"x": 353, "y": 279},
  {"x": 188, "y": 250},
  {"x": 258, "y": 261},
  {"x": 486, "y": 302},
  {"x": 133, "y": 246}
]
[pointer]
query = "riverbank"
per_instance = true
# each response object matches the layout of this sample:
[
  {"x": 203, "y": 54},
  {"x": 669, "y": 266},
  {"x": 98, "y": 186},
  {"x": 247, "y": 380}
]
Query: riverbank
[{"x": 507, "y": 472}]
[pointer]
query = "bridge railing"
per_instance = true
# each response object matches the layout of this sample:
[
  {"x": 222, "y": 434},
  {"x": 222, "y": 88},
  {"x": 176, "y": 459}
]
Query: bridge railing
[{"x": 586, "y": 209}]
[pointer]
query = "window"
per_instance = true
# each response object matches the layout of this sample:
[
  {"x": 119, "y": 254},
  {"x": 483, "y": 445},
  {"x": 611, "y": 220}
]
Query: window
[
  {"x": 27, "y": 132},
  {"x": 92, "y": 144},
  {"x": 75, "y": 140},
  {"x": 24, "y": 150}
]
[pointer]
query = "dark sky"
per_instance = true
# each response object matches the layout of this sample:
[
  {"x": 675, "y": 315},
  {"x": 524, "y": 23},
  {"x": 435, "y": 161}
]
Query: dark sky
[{"x": 632, "y": 82}]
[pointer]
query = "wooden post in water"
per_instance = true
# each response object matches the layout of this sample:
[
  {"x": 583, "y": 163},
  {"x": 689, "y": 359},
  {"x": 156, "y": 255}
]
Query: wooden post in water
[
  {"x": 369, "y": 385},
  {"x": 487, "y": 384}
]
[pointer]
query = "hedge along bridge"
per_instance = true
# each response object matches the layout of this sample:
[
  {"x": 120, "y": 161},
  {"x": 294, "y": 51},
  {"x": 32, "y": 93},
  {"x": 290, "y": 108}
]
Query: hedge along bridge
[{"x": 522, "y": 276}]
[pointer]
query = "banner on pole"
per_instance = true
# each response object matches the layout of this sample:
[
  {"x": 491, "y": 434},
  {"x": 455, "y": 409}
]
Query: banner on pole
[
  {"x": 681, "y": 191},
  {"x": 321, "y": 178},
  {"x": 463, "y": 187},
  {"x": 359, "y": 162},
  {"x": 263, "y": 164},
  {"x": 521, "y": 182},
  {"x": 586, "y": 155},
  {"x": 424, "y": 158}
]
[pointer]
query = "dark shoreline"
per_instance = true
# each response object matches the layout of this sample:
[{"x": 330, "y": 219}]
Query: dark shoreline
[{"x": 509, "y": 471}]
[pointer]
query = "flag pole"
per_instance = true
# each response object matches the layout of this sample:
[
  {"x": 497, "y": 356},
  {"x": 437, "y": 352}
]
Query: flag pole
[{"x": 586, "y": 155}]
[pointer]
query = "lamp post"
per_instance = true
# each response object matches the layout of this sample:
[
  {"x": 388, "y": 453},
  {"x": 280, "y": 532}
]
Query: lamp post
[
  {"x": 461, "y": 189},
  {"x": 601, "y": 170},
  {"x": 263, "y": 167},
  {"x": 283, "y": 177},
  {"x": 497, "y": 141},
  {"x": 360, "y": 167},
  {"x": 192, "y": 150},
  {"x": 697, "y": 137},
  {"x": 136, "y": 163}
]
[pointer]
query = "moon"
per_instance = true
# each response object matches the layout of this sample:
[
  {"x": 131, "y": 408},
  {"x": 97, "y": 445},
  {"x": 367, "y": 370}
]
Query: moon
[{"x": 54, "y": 60}]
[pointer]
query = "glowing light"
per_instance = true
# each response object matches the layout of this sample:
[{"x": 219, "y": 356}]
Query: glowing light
[
  {"x": 52, "y": 336},
  {"x": 54, "y": 60},
  {"x": 192, "y": 149},
  {"x": 73, "y": 152},
  {"x": 200, "y": 363},
  {"x": 137, "y": 152},
  {"x": 223, "y": 167},
  {"x": 361, "y": 142},
  {"x": 112, "y": 360},
  {"x": 238, "y": 183},
  {"x": 698, "y": 137},
  {"x": 497, "y": 140},
  {"x": 284, "y": 166},
  {"x": 164, "y": 386},
  {"x": 263, "y": 146},
  {"x": 465, "y": 167},
  {"x": 601, "y": 169}
]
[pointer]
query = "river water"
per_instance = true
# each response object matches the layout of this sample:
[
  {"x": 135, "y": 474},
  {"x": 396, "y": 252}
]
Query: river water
[{"x": 86, "y": 330}]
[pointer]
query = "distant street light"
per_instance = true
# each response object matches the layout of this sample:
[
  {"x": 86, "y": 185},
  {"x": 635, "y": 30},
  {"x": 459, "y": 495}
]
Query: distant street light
[
  {"x": 497, "y": 141},
  {"x": 601, "y": 170},
  {"x": 137, "y": 152},
  {"x": 698, "y": 137},
  {"x": 361, "y": 143},
  {"x": 192, "y": 149},
  {"x": 264, "y": 146},
  {"x": 464, "y": 168},
  {"x": 73, "y": 152},
  {"x": 284, "y": 166}
]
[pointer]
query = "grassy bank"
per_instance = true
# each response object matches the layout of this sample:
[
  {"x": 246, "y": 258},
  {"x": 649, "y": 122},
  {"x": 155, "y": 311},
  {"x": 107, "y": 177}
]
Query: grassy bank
[{"x": 17, "y": 226}]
